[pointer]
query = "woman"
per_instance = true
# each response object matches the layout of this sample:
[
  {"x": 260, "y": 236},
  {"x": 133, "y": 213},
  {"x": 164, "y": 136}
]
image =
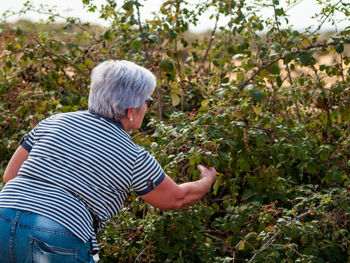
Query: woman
[{"x": 73, "y": 171}]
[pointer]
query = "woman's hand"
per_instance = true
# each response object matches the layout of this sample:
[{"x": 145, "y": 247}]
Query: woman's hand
[
  {"x": 169, "y": 195},
  {"x": 207, "y": 173}
]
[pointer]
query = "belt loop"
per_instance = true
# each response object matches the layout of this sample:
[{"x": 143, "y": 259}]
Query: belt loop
[{"x": 13, "y": 232}]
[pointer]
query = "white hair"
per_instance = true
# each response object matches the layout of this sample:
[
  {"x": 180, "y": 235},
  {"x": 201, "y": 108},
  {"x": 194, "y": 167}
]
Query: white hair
[{"x": 117, "y": 86}]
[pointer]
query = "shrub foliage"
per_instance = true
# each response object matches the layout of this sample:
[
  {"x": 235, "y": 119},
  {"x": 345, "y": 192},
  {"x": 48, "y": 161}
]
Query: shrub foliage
[{"x": 266, "y": 105}]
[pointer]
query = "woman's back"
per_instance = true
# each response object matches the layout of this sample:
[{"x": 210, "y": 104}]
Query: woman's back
[{"x": 80, "y": 169}]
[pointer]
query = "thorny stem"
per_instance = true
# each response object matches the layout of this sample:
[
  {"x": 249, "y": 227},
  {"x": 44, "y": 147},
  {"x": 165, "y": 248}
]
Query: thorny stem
[
  {"x": 210, "y": 41},
  {"x": 273, "y": 238},
  {"x": 178, "y": 64},
  {"x": 263, "y": 67},
  {"x": 287, "y": 66},
  {"x": 145, "y": 49}
]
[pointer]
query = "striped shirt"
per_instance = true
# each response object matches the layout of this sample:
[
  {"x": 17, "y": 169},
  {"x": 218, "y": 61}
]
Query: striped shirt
[{"x": 79, "y": 171}]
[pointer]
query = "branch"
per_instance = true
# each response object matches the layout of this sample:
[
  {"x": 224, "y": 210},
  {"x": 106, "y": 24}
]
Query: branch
[
  {"x": 273, "y": 238},
  {"x": 287, "y": 66},
  {"x": 62, "y": 58},
  {"x": 252, "y": 77},
  {"x": 210, "y": 41},
  {"x": 68, "y": 62},
  {"x": 143, "y": 37}
]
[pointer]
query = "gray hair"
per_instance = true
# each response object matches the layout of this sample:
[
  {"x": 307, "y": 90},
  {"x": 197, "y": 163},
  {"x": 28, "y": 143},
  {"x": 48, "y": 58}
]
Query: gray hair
[{"x": 117, "y": 86}]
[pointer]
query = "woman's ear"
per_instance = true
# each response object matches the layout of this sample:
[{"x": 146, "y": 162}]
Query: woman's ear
[{"x": 129, "y": 113}]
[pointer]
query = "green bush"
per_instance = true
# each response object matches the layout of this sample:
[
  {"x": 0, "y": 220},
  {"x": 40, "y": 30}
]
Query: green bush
[{"x": 250, "y": 98}]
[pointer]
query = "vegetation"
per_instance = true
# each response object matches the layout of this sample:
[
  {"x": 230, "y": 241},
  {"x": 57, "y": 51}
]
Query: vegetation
[{"x": 254, "y": 99}]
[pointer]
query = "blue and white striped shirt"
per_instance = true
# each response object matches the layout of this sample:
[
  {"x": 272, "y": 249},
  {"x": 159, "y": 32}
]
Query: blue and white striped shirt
[{"x": 79, "y": 171}]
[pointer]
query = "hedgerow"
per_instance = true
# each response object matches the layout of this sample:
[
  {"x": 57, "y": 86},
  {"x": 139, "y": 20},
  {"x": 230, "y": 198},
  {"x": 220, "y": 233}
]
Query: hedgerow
[{"x": 253, "y": 98}]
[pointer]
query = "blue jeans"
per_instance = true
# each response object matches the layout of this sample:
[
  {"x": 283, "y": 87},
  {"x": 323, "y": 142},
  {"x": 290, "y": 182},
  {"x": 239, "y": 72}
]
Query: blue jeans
[{"x": 28, "y": 237}]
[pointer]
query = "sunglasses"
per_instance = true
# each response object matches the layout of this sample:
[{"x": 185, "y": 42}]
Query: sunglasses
[{"x": 149, "y": 102}]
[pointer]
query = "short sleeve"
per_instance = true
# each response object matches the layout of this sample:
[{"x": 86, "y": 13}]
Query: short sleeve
[
  {"x": 27, "y": 141},
  {"x": 147, "y": 173},
  {"x": 30, "y": 138}
]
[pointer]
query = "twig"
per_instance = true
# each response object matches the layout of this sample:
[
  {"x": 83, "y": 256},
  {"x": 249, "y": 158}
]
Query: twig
[
  {"x": 273, "y": 238},
  {"x": 287, "y": 66},
  {"x": 139, "y": 255},
  {"x": 178, "y": 63},
  {"x": 322, "y": 22},
  {"x": 252, "y": 77},
  {"x": 210, "y": 41},
  {"x": 173, "y": 140},
  {"x": 68, "y": 62},
  {"x": 143, "y": 37}
]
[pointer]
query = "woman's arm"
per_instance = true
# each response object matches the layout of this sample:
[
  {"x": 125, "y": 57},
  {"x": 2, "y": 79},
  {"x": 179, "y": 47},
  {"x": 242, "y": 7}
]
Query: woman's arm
[
  {"x": 15, "y": 163},
  {"x": 169, "y": 195}
]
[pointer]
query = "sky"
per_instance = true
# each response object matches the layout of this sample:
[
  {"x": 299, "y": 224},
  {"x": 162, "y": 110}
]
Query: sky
[{"x": 299, "y": 15}]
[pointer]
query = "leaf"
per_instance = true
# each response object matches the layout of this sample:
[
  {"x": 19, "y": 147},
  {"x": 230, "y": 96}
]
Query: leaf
[
  {"x": 279, "y": 11},
  {"x": 204, "y": 103},
  {"x": 270, "y": 228},
  {"x": 192, "y": 161},
  {"x": 241, "y": 245},
  {"x": 257, "y": 95},
  {"x": 175, "y": 99},
  {"x": 89, "y": 63},
  {"x": 238, "y": 56},
  {"x": 306, "y": 59},
  {"x": 167, "y": 65},
  {"x": 324, "y": 155},
  {"x": 276, "y": 47},
  {"x": 128, "y": 5},
  {"x": 173, "y": 34},
  {"x": 257, "y": 110},
  {"x": 177, "y": 90},
  {"x": 217, "y": 185},
  {"x": 279, "y": 81},
  {"x": 274, "y": 69},
  {"x": 248, "y": 87},
  {"x": 153, "y": 38},
  {"x": 243, "y": 162},
  {"x": 137, "y": 44},
  {"x": 339, "y": 48}
]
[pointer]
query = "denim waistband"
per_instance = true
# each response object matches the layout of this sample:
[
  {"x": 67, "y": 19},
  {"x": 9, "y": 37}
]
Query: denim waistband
[{"x": 33, "y": 221}]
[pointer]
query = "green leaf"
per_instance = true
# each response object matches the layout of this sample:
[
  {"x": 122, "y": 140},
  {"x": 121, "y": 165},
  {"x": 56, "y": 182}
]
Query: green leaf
[
  {"x": 216, "y": 185},
  {"x": 173, "y": 34},
  {"x": 279, "y": 81},
  {"x": 192, "y": 161},
  {"x": 279, "y": 11},
  {"x": 276, "y": 47},
  {"x": 243, "y": 162},
  {"x": 306, "y": 59},
  {"x": 167, "y": 65},
  {"x": 274, "y": 69},
  {"x": 128, "y": 5},
  {"x": 153, "y": 38},
  {"x": 339, "y": 48},
  {"x": 257, "y": 95},
  {"x": 175, "y": 99},
  {"x": 10, "y": 47},
  {"x": 107, "y": 35},
  {"x": 324, "y": 155}
]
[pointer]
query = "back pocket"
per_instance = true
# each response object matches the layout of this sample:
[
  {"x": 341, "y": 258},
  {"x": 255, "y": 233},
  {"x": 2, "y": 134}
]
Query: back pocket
[{"x": 44, "y": 253}]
